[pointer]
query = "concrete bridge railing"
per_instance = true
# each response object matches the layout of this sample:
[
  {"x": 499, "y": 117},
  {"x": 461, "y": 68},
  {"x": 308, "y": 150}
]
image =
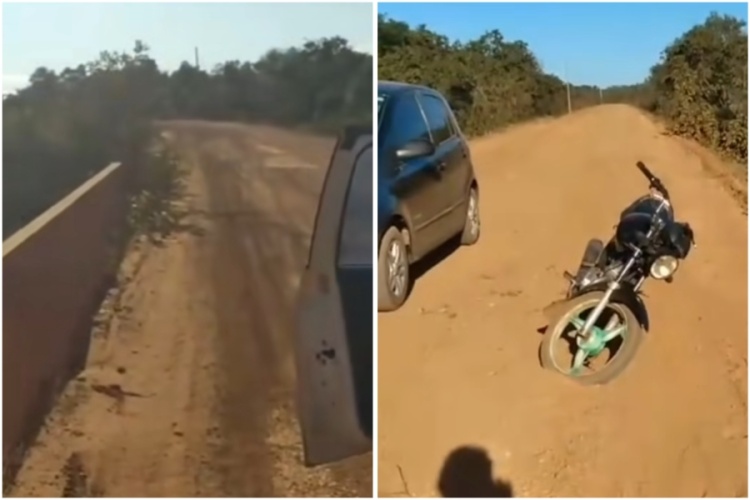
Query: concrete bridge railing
[{"x": 56, "y": 272}]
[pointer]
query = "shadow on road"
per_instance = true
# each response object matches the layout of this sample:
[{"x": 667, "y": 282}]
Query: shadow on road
[
  {"x": 467, "y": 473},
  {"x": 431, "y": 260}
]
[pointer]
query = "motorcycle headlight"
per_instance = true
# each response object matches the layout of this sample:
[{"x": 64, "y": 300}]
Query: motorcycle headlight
[{"x": 664, "y": 267}]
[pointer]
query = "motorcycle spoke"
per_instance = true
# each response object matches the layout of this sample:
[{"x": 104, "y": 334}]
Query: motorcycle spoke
[
  {"x": 596, "y": 342},
  {"x": 578, "y": 362},
  {"x": 616, "y": 332},
  {"x": 577, "y": 322},
  {"x": 614, "y": 320}
]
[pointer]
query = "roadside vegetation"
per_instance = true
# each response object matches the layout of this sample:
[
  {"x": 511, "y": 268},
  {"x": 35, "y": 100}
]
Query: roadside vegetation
[
  {"x": 698, "y": 87},
  {"x": 66, "y": 126}
]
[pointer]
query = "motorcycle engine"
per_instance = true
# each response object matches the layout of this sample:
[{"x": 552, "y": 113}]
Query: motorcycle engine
[
  {"x": 592, "y": 275},
  {"x": 596, "y": 275},
  {"x": 612, "y": 272}
]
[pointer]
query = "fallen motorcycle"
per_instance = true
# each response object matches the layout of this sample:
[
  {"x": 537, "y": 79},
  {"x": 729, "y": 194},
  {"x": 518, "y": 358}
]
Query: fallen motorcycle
[{"x": 603, "y": 309}]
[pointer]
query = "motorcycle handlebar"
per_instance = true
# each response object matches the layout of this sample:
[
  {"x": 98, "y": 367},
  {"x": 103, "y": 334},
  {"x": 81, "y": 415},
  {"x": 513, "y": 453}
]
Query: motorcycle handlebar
[
  {"x": 645, "y": 171},
  {"x": 654, "y": 181}
]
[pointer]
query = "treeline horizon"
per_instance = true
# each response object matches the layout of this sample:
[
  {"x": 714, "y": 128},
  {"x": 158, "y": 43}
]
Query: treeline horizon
[
  {"x": 698, "y": 86},
  {"x": 65, "y": 126}
]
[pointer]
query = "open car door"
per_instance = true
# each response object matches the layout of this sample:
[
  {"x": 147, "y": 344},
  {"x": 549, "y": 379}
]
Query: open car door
[{"x": 333, "y": 331}]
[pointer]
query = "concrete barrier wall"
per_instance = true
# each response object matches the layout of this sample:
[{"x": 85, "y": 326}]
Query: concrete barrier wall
[{"x": 56, "y": 271}]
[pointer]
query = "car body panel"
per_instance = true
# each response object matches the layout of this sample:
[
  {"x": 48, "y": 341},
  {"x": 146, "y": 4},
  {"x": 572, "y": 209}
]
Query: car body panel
[
  {"x": 430, "y": 201},
  {"x": 415, "y": 182},
  {"x": 334, "y": 324}
]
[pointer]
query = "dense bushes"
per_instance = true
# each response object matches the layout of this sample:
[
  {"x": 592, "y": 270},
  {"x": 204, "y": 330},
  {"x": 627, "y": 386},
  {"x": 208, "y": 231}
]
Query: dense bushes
[
  {"x": 491, "y": 82},
  {"x": 699, "y": 87},
  {"x": 64, "y": 127}
]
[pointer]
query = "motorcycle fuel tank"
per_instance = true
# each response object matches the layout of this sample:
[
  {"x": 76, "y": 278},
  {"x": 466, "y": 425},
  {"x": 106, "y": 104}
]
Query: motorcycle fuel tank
[
  {"x": 635, "y": 221},
  {"x": 648, "y": 205}
]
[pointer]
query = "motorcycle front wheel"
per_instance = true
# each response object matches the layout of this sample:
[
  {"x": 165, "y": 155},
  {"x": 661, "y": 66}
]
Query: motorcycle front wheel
[{"x": 611, "y": 347}]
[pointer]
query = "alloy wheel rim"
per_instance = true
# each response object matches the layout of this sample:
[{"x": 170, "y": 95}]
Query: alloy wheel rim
[
  {"x": 600, "y": 338},
  {"x": 396, "y": 269},
  {"x": 473, "y": 215}
]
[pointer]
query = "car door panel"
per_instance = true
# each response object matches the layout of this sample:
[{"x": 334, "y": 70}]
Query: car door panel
[
  {"x": 456, "y": 182},
  {"x": 445, "y": 157},
  {"x": 461, "y": 173},
  {"x": 415, "y": 182},
  {"x": 358, "y": 319},
  {"x": 333, "y": 333},
  {"x": 417, "y": 185},
  {"x": 355, "y": 278}
]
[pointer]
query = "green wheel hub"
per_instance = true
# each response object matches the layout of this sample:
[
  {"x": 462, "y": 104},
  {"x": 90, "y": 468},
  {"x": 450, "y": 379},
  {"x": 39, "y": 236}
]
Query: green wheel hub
[{"x": 592, "y": 346}]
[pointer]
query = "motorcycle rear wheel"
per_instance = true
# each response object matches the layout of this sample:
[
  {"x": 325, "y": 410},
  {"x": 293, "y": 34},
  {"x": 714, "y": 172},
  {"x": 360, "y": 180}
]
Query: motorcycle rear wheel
[{"x": 632, "y": 336}]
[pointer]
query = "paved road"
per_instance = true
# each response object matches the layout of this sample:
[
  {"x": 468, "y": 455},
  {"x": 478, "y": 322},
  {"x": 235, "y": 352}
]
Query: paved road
[
  {"x": 190, "y": 386},
  {"x": 458, "y": 363}
]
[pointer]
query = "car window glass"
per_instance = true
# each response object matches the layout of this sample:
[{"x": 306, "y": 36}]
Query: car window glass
[
  {"x": 407, "y": 122},
  {"x": 382, "y": 99},
  {"x": 355, "y": 243},
  {"x": 381, "y": 103},
  {"x": 437, "y": 117}
]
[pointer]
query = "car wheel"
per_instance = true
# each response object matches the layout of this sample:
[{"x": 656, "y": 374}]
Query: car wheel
[
  {"x": 393, "y": 271},
  {"x": 472, "y": 226}
]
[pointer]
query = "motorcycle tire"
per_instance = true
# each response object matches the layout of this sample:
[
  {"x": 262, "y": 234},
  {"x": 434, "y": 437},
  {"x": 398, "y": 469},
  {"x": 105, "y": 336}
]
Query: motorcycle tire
[{"x": 625, "y": 355}]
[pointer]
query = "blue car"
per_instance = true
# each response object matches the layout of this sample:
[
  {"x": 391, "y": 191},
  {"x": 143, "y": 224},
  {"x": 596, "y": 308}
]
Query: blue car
[{"x": 427, "y": 190}]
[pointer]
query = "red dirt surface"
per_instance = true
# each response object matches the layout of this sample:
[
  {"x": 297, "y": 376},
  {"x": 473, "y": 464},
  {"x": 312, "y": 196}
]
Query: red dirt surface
[
  {"x": 189, "y": 389},
  {"x": 458, "y": 363}
]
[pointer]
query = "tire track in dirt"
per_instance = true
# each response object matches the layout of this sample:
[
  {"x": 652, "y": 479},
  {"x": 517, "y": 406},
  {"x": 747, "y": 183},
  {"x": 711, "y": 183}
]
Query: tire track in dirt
[
  {"x": 458, "y": 363},
  {"x": 189, "y": 390}
]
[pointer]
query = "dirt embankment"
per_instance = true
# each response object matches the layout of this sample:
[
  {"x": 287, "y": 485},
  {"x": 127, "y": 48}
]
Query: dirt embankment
[
  {"x": 458, "y": 363},
  {"x": 189, "y": 387}
]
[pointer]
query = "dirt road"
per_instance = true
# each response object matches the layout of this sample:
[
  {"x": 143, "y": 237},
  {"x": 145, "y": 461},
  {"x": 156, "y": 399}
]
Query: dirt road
[
  {"x": 190, "y": 384},
  {"x": 458, "y": 363}
]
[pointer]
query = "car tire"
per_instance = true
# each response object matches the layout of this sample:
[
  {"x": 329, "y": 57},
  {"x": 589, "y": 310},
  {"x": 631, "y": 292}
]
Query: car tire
[
  {"x": 390, "y": 299},
  {"x": 472, "y": 226}
]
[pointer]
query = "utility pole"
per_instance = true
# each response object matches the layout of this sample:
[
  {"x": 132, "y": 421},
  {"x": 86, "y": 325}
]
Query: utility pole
[
  {"x": 567, "y": 87},
  {"x": 197, "y": 60}
]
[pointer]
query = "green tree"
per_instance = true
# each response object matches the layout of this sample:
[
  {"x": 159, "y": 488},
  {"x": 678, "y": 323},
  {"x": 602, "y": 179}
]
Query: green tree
[
  {"x": 64, "y": 127},
  {"x": 490, "y": 82},
  {"x": 699, "y": 87}
]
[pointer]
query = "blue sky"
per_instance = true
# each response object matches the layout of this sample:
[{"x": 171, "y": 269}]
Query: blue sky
[
  {"x": 596, "y": 43},
  {"x": 60, "y": 35}
]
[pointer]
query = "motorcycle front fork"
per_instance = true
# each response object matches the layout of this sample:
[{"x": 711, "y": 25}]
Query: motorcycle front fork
[{"x": 586, "y": 330}]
